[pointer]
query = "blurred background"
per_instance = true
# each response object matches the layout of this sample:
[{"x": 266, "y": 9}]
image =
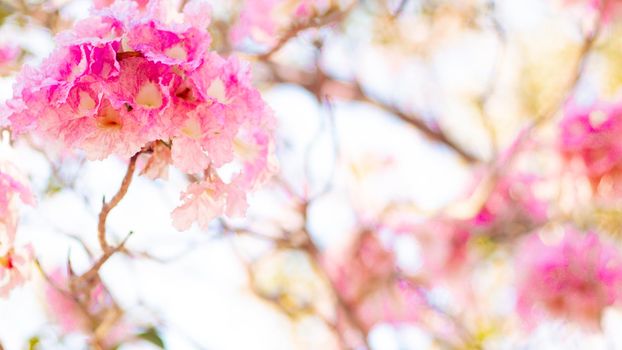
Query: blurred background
[{"x": 420, "y": 144}]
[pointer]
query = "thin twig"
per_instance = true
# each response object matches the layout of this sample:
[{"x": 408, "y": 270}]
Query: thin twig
[
  {"x": 108, "y": 206},
  {"x": 331, "y": 16},
  {"x": 89, "y": 275},
  {"x": 353, "y": 91}
]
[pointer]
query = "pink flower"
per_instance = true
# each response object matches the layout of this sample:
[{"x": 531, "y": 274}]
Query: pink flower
[
  {"x": 574, "y": 279},
  {"x": 206, "y": 200},
  {"x": 181, "y": 45},
  {"x": 131, "y": 76},
  {"x": 590, "y": 140}
]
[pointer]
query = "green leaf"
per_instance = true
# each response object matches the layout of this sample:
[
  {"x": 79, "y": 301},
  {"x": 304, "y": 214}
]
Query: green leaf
[{"x": 152, "y": 336}]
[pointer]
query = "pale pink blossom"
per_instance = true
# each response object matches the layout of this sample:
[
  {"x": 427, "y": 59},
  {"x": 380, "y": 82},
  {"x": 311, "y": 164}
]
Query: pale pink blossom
[
  {"x": 206, "y": 200},
  {"x": 574, "y": 279}
]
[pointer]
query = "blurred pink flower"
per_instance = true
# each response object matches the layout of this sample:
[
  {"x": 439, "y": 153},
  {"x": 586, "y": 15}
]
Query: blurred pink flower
[
  {"x": 397, "y": 303},
  {"x": 574, "y": 279},
  {"x": 8, "y": 54},
  {"x": 512, "y": 201},
  {"x": 366, "y": 279},
  {"x": 444, "y": 249},
  {"x": 590, "y": 140},
  {"x": 74, "y": 314},
  {"x": 62, "y": 306},
  {"x": 206, "y": 200}
]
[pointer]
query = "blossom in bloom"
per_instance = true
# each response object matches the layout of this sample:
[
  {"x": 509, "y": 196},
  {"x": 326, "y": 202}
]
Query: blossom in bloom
[
  {"x": 134, "y": 78},
  {"x": 205, "y": 200},
  {"x": 574, "y": 279},
  {"x": 261, "y": 20},
  {"x": 589, "y": 139}
]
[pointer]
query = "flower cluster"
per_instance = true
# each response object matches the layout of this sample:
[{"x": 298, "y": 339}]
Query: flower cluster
[
  {"x": 261, "y": 20},
  {"x": 136, "y": 78},
  {"x": 14, "y": 259},
  {"x": 574, "y": 279},
  {"x": 590, "y": 140}
]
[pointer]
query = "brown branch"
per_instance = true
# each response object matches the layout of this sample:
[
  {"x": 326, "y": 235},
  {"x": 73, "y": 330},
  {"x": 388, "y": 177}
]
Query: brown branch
[
  {"x": 320, "y": 84},
  {"x": 342, "y": 304},
  {"x": 108, "y": 206},
  {"x": 90, "y": 275},
  {"x": 332, "y": 15},
  {"x": 500, "y": 165}
]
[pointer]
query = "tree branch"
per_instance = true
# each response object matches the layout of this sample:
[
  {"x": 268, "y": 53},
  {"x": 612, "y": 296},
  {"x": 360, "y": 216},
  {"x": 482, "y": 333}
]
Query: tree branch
[
  {"x": 321, "y": 85},
  {"x": 107, "y": 207}
]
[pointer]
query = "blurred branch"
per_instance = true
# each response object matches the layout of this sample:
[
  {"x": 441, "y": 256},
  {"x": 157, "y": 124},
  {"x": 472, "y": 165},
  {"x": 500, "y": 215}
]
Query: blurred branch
[
  {"x": 482, "y": 101},
  {"x": 320, "y": 84},
  {"x": 311, "y": 248},
  {"x": 400, "y": 8},
  {"x": 332, "y": 15},
  {"x": 502, "y": 163}
]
